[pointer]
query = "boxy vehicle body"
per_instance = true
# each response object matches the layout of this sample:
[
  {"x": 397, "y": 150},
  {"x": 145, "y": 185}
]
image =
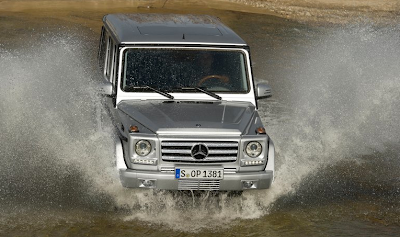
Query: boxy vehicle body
[{"x": 181, "y": 94}]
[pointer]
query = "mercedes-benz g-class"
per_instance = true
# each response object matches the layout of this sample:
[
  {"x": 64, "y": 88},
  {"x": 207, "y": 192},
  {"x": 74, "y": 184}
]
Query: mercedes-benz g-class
[{"x": 181, "y": 94}]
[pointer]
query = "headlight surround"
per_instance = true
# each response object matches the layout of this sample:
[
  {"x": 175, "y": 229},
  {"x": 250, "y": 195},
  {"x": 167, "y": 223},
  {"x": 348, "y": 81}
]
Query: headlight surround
[
  {"x": 142, "y": 147},
  {"x": 253, "y": 149}
]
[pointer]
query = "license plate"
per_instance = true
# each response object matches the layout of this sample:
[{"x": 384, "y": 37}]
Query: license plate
[{"x": 190, "y": 173}]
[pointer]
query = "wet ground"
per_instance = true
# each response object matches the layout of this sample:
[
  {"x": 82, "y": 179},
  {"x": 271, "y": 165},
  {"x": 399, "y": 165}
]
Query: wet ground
[{"x": 334, "y": 118}]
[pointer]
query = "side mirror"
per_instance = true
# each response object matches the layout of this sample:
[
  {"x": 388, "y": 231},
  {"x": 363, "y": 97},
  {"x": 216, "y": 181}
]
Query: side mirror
[
  {"x": 106, "y": 88},
  {"x": 263, "y": 90}
]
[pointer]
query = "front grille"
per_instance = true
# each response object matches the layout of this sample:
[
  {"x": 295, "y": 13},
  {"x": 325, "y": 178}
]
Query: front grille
[
  {"x": 181, "y": 151},
  {"x": 210, "y": 185}
]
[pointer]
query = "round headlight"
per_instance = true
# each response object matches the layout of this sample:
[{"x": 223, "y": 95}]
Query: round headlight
[
  {"x": 253, "y": 149},
  {"x": 143, "y": 148}
]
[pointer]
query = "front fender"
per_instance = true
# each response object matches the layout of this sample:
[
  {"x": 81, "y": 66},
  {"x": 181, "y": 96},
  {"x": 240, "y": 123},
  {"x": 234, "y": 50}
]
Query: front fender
[
  {"x": 271, "y": 158},
  {"x": 119, "y": 155}
]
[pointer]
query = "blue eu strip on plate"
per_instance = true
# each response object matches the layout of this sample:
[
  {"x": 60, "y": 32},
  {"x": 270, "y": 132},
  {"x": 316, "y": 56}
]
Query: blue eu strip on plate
[{"x": 177, "y": 173}]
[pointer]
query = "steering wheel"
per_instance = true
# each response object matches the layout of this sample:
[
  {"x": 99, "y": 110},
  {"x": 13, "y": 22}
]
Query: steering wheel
[{"x": 223, "y": 79}]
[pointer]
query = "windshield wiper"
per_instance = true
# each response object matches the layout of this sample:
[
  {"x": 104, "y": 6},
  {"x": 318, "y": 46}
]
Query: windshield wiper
[
  {"x": 130, "y": 88},
  {"x": 212, "y": 94},
  {"x": 169, "y": 96}
]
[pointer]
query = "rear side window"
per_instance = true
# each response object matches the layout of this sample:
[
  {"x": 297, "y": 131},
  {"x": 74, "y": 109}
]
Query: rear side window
[
  {"x": 107, "y": 56},
  {"x": 109, "y": 59},
  {"x": 102, "y": 49}
]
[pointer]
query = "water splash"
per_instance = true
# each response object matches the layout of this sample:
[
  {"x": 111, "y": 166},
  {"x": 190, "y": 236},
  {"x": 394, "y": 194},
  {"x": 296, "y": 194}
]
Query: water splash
[
  {"x": 341, "y": 98},
  {"x": 340, "y": 101},
  {"x": 47, "y": 126}
]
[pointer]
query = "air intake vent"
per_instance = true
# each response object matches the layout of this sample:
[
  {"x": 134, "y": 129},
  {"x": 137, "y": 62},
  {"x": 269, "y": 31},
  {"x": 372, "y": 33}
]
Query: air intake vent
[{"x": 210, "y": 185}]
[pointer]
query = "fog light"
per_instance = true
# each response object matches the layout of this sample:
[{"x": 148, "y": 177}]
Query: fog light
[
  {"x": 248, "y": 184},
  {"x": 147, "y": 183}
]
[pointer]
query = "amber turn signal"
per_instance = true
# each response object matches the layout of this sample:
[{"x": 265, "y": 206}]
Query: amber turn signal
[
  {"x": 133, "y": 129},
  {"x": 260, "y": 130}
]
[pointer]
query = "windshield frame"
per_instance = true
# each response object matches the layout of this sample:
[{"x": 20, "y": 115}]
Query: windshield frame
[{"x": 196, "y": 95}]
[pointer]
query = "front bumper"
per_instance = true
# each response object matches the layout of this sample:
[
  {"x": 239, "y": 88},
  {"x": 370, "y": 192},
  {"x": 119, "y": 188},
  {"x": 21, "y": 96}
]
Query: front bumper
[{"x": 167, "y": 181}]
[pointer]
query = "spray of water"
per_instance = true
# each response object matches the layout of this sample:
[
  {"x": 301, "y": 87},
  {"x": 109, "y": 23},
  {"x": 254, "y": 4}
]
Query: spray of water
[
  {"x": 47, "y": 126},
  {"x": 341, "y": 101}
]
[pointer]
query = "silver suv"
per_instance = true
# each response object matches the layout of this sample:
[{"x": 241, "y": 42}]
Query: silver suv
[{"x": 180, "y": 91}]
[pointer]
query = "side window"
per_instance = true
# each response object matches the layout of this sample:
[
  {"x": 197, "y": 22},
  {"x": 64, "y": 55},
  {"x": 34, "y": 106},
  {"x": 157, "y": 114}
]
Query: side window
[
  {"x": 111, "y": 59},
  {"x": 107, "y": 56},
  {"x": 114, "y": 67},
  {"x": 102, "y": 49}
]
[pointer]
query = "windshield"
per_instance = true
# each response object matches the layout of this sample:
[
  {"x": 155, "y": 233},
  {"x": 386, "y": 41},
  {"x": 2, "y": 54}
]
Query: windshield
[{"x": 180, "y": 70}]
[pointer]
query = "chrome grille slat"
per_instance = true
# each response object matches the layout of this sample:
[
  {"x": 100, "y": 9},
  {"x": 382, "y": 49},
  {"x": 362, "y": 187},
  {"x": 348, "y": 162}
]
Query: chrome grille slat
[
  {"x": 176, "y": 151},
  {"x": 222, "y": 152},
  {"x": 198, "y": 185},
  {"x": 182, "y": 151},
  {"x": 209, "y": 144},
  {"x": 218, "y": 151},
  {"x": 189, "y": 158}
]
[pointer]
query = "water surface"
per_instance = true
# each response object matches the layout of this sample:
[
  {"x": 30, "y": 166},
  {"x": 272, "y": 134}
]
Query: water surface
[{"x": 334, "y": 118}]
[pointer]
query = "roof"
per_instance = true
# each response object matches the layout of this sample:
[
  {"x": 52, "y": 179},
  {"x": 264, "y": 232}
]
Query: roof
[{"x": 170, "y": 28}]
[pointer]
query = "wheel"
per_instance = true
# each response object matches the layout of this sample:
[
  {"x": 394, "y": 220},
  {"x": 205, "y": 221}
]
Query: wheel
[{"x": 223, "y": 79}]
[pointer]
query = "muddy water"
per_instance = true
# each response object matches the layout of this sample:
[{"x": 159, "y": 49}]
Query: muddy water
[{"x": 334, "y": 118}]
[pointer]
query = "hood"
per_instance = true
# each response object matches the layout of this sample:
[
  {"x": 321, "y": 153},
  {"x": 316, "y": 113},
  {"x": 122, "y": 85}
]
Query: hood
[{"x": 188, "y": 117}]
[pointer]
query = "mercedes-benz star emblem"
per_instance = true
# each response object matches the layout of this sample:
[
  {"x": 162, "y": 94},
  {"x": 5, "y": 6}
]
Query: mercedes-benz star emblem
[{"x": 199, "y": 151}]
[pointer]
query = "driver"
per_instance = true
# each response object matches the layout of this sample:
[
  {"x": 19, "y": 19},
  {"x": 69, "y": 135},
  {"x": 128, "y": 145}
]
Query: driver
[{"x": 208, "y": 73}]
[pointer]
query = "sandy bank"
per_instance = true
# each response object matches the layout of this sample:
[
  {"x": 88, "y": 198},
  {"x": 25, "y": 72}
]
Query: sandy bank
[
  {"x": 308, "y": 11},
  {"x": 332, "y": 11}
]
